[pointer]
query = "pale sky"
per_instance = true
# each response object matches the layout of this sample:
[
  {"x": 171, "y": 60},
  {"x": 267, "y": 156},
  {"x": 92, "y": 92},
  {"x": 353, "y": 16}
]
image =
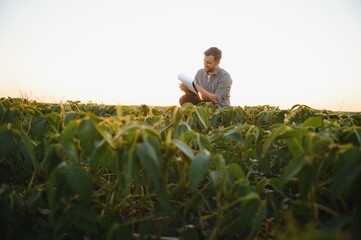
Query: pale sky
[{"x": 130, "y": 52}]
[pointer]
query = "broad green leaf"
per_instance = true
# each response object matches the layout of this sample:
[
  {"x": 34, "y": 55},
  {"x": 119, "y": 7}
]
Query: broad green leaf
[
  {"x": 293, "y": 168},
  {"x": 69, "y": 116},
  {"x": 234, "y": 134},
  {"x": 29, "y": 148},
  {"x": 305, "y": 180},
  {"x": 203, "y": 142},
  {"x": 183, "y": 148},
  {"x": 106, "y": 135},
  {"x": 215, "y": 177},
  {"x": 314, "y": 122},
  {"x": 358, "y": 135},
  {"x": 6, "y": 139},
  {"x": 149, "y": 154},
  {"x": 275, "y": 133},
  {"x": 54, "y": 155},
  {"x": 237, "y": 138},
  {"x": 202, "y": 116},
  {"x": 181, "y": 129},
  {"x": 67, "y": 140},
  {"x": 177, "y": 115},
  {"x": 294, "y": 133},
  {"x": 236, "y": 171},
  {"x": 87, "y": 135},
  {"x": 117, "y": 231},
  {"x": 354, "y": 136},
  {"x": 336, "y": 223},
  {"x": 259, "y": 218},
  {"x": 250, "y": 140},
  {"x": 295, "y": 146},
  {"x": 39, "y": 126},
  {"x": 56, "y": 183},
  {"x": 86, "y": 218},
  {"x": 102, "y": 157},
  {"x": 151, "y": 161},
  {"x": 248, "y": 212},
  {"x": 132, "y": 129},
  {"x": 349, "y": 171},
  {"x": 277, "y": 184},
  {"x": 80, "y": 183},
  {"x": 53, "y": 119},
  {"x": 198, "y": 168}
]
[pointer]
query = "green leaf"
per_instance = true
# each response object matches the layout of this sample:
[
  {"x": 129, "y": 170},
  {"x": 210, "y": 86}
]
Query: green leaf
[
  {"x": 117, "y": 231},
  {"x": 314, "y": 122},
  {"x": 39, "y": 126},
  {"x": 67, "y": 140},
  {"x": 349, "y": 171},
  {"x": 151, "y": 161},
  {"x": 198, "y": 168},
  {"x": 203, "y": 142},
  {"x": 54, "y": 155},
  {"x": 150, "y": 157},
  {"x": 250, "y": 140},
  {"x": 183, "y": 148},
  {"x": 86, "y": 219},
  {"x": 181, "y": 128},
  {"x": 69, "y": 116},
  {"x": 106, "y": 135},
  {"x": 275, "y": 133},
  {"x": 6, "y": 139},
  {"x": 80, "y": 183},
  {"x": 354, "y": 136},
  {"x": 87, "y": 135},
  {"x": 295, "y": 146},
  {"x": 248, "y": 210},
  {"x": 236, "y": 171},
  {"x": 293, "y": 168},
  {"x": 202, "y": 116},
  {"x": 29, "y": 148},
  {"x": 177, "y": 115},
  {"x": 358, "y": 135},
  {"x": 103, "y": 156},
  {"x": 234, "y": 133}
]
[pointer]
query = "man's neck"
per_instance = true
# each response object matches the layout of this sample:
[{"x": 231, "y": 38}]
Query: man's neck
[{"x": 212, "y": 73}]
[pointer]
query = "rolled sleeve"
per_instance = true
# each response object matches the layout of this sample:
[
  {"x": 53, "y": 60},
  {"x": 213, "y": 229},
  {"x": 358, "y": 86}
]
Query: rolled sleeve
[{"x": 224, "y": 89}]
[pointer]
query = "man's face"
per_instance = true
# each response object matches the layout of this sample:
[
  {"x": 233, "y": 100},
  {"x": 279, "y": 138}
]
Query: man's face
[{"x": 210, "y": 65}]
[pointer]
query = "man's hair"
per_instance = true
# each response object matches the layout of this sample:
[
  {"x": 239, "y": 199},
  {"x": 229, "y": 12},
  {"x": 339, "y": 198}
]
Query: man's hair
[{"x": 215, "y": 52}]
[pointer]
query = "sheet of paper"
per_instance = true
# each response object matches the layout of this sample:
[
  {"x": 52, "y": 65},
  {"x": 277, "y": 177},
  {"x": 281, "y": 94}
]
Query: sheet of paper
[{"x": 188, "y": 81}]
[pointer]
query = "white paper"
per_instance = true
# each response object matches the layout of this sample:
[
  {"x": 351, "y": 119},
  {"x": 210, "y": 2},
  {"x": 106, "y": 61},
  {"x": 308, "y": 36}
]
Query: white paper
[{"x": 189, "y": 82}]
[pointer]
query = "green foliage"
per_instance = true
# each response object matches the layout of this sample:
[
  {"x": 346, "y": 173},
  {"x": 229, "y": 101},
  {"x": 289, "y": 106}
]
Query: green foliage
[{"x": 88, "y": 171}]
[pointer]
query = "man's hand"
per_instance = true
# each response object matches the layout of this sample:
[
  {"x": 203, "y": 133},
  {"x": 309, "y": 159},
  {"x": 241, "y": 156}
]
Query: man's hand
[
  {"x": 205, "y": 95},
  {"x": 183, "y": 87}
]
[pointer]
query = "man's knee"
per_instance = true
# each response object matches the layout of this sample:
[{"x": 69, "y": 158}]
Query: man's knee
[{"x": 194, "y": 99}]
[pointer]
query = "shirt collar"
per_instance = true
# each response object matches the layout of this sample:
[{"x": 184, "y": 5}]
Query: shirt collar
[{"x": 215, "y": 72}]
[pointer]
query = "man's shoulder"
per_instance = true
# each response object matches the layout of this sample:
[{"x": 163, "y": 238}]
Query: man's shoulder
[
  {"x": 224, "y": 73},
  {"x": 200, "y": 71}
]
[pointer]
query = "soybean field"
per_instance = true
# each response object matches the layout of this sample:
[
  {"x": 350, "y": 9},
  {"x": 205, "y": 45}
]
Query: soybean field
[{"x": 91, "y": 171}]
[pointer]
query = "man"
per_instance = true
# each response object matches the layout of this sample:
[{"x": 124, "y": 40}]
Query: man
[{"x": 212, "y": 82}]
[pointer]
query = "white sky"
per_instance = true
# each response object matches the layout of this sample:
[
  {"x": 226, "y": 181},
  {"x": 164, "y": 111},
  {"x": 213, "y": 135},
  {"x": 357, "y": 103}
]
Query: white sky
[{"x": 129, "y": 52}]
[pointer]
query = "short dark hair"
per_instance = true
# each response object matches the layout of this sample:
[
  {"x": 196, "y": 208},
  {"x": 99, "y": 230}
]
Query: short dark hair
[{"x": 215, "y": 52}]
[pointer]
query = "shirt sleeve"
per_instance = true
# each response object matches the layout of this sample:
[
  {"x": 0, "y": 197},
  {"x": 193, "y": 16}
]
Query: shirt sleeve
[
  {"x": 197, "y": 77},
  {"x": 224, "y": 88}
]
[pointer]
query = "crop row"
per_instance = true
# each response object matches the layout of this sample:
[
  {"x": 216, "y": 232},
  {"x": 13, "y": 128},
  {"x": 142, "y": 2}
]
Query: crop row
[{"x": 72, "y": 170}]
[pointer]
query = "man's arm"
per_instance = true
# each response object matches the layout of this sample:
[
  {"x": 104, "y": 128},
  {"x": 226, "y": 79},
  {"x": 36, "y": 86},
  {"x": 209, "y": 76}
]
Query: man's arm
[
  {"x": 205, "y": 95},
  {"x": 184, "y": 88}
]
